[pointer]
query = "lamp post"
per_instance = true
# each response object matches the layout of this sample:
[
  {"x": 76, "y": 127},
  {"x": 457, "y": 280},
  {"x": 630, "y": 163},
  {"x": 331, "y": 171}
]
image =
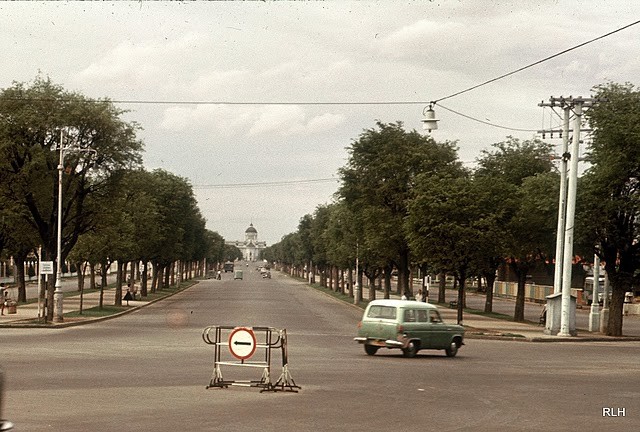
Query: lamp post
[{"x": 57, "y": 293}]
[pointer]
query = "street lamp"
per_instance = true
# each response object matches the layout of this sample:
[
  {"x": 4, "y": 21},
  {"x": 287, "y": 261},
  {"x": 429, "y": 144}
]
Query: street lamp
[
  {"x": 429, "y": 122},
  {"x": 57, "y": 293}
]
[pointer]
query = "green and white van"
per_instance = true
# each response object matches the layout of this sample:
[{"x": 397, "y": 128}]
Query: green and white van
[{"x": 407, "y": 325}]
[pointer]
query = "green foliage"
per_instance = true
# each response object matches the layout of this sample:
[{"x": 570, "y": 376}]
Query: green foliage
[
  {"x": 610, "y": 195},
  {"x": 377, "y": 183},
  {"x": 232, "y": 253},
  {"x": 32, "y": 117}
]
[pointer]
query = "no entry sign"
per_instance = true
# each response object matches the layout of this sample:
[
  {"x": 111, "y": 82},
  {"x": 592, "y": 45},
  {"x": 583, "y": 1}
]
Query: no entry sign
[{"x": 242, "y": 343}]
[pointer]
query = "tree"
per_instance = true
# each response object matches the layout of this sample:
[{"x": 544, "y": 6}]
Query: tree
[
  {"x": 611, "y": 190},
  {"x": 32, "y": 118},
  {"x": 232, "y": 253},
  {"x": 529, "y": 203},
  {"x": 377, "y": 182},
  {"x": 453, "y": 225}
]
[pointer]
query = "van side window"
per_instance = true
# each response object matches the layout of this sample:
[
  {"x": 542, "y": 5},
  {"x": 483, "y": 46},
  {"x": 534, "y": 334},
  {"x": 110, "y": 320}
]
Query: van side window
[
  {"x": 434, "y": 316},
  {"x": 385, "y": 312},
  {"x": 422, "y": 316},
  {"x": 410, "y": 315}
]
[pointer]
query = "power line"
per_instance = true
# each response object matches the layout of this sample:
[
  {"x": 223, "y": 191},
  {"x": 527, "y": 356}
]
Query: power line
[
  {"x": 223, "y": 102},
  {"x": 485, "y": 122},
  {"x": 268, "y": 184},
  {"x": 535, "y": 63}
]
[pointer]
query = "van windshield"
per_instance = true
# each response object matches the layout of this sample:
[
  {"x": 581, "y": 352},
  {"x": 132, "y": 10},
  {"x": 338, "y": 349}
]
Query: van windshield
[{"x": 386, "y": 312}]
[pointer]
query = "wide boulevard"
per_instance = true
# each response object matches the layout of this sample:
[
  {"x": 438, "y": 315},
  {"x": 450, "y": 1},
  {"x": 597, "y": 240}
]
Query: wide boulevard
[{"x": 148, "y": 371}]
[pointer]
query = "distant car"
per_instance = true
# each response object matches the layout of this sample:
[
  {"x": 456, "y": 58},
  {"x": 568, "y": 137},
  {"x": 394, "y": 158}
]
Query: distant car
[
  {"x": 237, "y": 274},
  {"x": 228, "y": 267},
  {"x": 407, "y": 325}
]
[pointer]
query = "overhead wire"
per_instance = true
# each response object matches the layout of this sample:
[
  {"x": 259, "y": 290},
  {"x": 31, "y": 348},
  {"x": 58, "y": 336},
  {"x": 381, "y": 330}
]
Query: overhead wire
[
  {"x": 262, "y": 184},
  {"x": 346, "y": 103},
  {"x": 535, "y": 63}
]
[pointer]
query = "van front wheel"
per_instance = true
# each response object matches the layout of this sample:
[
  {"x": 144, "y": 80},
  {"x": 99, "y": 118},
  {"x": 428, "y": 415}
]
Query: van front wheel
[{"x": 452, "y": 349}]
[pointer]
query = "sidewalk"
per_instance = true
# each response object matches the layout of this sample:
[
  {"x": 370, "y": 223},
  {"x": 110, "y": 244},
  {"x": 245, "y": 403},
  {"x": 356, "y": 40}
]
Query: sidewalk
[
  {"x": 27, "y": 314},
  {"x": 482, "y": 327}
]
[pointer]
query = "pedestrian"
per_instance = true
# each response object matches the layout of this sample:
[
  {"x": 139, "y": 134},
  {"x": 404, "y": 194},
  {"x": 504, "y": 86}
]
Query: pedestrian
[
  {"x": 128, "y": 297},
  {"x": 4, "y": 294},
  {"x": 219, "y": 275},
  {"x": 419, "y": 295},
  {"x": 425, "y": 294}
]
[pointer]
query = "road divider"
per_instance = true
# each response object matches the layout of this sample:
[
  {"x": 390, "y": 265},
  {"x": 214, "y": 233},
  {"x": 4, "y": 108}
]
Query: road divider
[{"x": 241, "y": 344}]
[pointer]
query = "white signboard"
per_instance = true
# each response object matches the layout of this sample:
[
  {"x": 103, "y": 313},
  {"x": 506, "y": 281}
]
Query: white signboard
[
  {"x": 242, "y": 343},
  {"x": 46, "y": 267}
]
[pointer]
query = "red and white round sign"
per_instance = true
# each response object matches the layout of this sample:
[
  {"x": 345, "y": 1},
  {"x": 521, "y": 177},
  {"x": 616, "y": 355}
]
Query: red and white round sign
[{"x": 242, "y": 343}]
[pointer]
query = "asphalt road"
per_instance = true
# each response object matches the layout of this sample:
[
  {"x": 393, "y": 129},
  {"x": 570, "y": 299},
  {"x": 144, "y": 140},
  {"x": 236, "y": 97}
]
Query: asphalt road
[{"x": 147, "y": 371}]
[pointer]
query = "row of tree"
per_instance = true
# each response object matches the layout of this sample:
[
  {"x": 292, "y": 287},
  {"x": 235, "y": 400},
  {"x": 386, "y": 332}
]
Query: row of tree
[
  {"x": 406, "y": 200},
  {"x": 112, "y": 208}
]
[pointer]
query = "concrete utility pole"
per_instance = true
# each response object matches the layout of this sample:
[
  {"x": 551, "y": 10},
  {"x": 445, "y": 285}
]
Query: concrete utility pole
[
  {"x": 594, "y": 313},
  {"x": 564, "y": 284},
  {"x": 562, "y": 205}
]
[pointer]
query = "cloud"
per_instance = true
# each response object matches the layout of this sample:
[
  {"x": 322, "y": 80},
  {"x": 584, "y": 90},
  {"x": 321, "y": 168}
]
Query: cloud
[
  {"x": 140, "y": 63},
  {"x": 421, "y": 38},
  {"x": 278, "y": 120}
]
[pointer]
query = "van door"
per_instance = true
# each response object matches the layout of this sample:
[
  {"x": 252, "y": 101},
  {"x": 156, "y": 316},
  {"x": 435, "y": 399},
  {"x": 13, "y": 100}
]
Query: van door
[{"x": 438, "y": 333}]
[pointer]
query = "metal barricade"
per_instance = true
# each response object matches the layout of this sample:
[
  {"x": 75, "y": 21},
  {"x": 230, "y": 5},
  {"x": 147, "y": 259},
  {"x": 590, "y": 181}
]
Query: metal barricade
[{"x": 242, "y": 343}]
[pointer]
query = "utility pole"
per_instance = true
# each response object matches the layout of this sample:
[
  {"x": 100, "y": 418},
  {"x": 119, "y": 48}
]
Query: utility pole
[{"x": 566, "y": 227}]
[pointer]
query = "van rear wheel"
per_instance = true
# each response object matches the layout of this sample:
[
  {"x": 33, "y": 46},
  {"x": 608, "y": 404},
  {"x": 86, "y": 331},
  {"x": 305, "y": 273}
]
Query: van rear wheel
[
  {"x": 411, "y": 350},
  {"x": 371, "y": 349}
]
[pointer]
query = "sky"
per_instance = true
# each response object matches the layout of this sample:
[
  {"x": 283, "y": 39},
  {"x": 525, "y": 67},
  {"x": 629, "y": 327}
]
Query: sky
[{"x": 335, "y": 68}]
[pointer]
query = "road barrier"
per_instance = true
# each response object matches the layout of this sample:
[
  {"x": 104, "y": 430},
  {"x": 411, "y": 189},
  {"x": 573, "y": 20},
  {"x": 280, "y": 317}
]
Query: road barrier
[{"x": 242, "y": 343}]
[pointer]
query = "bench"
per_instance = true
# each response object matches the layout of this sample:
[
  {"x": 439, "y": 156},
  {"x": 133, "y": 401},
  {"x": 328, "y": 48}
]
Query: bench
[{"x": 453, "y": 304}]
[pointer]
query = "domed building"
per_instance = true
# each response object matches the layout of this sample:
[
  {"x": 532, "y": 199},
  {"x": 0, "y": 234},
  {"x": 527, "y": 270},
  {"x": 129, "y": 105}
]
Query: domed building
[{"x": 251, "y": 248}]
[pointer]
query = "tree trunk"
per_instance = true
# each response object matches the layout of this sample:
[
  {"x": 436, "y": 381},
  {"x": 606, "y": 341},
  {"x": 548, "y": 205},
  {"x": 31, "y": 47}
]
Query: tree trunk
[
  {"x": 491, "y": 278},
  {"x": 80, "y": 266},
  {"x": 92, "y": 278},
  {"x": 442, "y": 287},
  {"x": 81, "y": 269},
  {"x": 168, "y": 272},
  {"x": 372, "y": 287},
  {"x": 119, "y": 276},
  {"x": 154, "y": 280},
  {"x": 461, "y": 281},
  {"x": 616, "y": 308},
  {"x": 387, "y": 282},
  {"x": 103, "y": 283},
  {"x": 521, "y": 270},
  {"x": 20, "y": 281},
  {"x": 143, "y": 279}
]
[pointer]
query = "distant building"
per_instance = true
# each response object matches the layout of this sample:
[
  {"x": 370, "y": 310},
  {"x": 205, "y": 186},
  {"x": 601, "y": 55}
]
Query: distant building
[{"x": 251, "y": 248}]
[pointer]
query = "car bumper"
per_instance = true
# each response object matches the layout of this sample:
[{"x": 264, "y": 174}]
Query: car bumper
[{"x": 389, "y": 343}]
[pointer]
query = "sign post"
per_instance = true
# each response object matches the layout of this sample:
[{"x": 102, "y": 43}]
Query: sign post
[{"x": 45, "y": 268}]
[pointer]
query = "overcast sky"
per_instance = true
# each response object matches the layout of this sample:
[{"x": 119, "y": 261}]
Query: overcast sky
[{"x": 312, "y": 52}]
